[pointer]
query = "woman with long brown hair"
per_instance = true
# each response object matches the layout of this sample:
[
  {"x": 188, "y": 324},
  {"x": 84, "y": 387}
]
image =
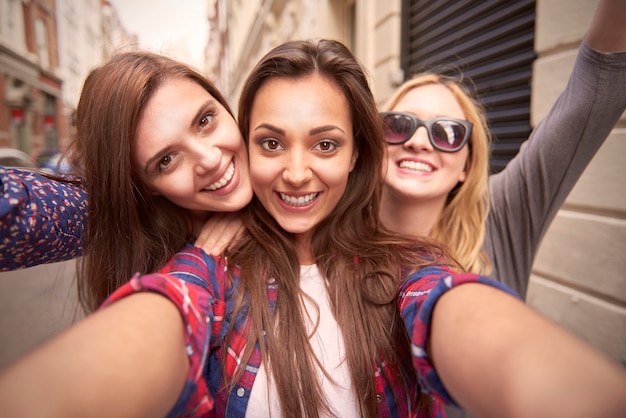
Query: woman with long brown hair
[{"x": 157, "y": 153}]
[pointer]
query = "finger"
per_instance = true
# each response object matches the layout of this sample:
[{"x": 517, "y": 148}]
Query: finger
[{"x": 218, "y": 232}]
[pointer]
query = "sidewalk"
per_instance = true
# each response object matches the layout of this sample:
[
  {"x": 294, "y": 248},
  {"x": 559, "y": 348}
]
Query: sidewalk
[{"x": 35, "y": 304}]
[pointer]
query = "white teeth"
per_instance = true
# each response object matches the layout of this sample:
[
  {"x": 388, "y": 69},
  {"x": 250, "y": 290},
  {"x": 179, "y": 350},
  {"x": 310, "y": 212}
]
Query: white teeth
[
  {"x": 298, "y": 201},
  {"x": 228, "y": 176},
  {"x": 417, "y": 166}
]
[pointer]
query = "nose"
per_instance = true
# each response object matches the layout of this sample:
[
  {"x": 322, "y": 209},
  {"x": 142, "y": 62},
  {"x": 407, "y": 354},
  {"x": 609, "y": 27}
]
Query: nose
[
  {"x": 419, "y": 140},
  {"x": 206, "y": 156},
  {"x": 297, "y": 171}
]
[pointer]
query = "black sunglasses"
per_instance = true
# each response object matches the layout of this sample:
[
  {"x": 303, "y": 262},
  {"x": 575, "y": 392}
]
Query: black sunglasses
[{"x": 445, "y": 134}]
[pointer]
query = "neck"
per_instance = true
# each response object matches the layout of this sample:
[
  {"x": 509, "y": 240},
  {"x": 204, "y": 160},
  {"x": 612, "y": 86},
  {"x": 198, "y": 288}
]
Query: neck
[
  {"x": 303, "y": 249},
  {"x": 412, "y": 217}
]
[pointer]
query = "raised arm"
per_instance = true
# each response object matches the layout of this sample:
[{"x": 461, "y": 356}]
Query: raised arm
[
  {"x": 607, "y": 31},
  {"x": 41, "y": 220},
  {"x": 527, "y": 194}
]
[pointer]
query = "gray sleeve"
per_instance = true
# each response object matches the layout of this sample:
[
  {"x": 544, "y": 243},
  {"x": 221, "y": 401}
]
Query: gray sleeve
[{"x": 527, "y": 194}]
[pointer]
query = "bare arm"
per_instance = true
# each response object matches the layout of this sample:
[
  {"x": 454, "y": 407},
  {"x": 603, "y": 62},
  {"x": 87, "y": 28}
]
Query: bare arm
[
  {"x": 499, "y": 358},
  {"x": 607, "y": 31},
  {"x": 127, "y": 360}
]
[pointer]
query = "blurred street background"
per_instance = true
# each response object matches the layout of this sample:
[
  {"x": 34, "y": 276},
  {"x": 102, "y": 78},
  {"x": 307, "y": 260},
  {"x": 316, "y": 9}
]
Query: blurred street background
[
  {"x": 518, "y": 54},
  {"x": 35, "y": 304}
]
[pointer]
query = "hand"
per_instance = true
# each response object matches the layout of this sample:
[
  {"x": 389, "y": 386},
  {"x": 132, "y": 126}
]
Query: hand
[{"x": 219, "y": 232}]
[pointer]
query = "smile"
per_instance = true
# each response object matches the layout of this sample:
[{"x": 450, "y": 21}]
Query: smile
[
  {"x": 416, "y": 166},
  {"x": 228, "y": 176},
  {"x": 298, "y": 201}
]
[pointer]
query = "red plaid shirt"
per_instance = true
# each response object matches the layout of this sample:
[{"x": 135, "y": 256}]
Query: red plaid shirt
[{"x": 196, "y": 283}]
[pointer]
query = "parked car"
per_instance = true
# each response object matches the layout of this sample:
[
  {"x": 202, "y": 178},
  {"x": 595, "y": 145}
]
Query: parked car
[{"x": 11, "y": 157}]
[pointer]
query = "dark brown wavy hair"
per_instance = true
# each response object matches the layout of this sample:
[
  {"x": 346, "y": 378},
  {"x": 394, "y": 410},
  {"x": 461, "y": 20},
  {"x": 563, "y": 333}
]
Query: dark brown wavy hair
[
  {"x": 129, "y": 230},
  {"x": 359, "y": 259}
]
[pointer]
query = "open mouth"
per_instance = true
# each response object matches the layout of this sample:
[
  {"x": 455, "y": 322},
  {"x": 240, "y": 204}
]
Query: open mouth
[
  {"x": 228, "y": 176},
  {"x": 415, "y": 166},
  {"x": 299, "y": 200}
]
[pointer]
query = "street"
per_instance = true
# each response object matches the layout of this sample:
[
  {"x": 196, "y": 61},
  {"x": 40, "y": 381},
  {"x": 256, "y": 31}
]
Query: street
[{"x": 35, "y": 304}]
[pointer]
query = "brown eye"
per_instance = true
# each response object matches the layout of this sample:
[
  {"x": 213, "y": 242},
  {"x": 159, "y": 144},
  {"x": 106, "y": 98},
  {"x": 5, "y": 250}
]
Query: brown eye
[
  {"x": 206, "y": 120},
  {"x": 164, "y": 162},
  {"x": 326, "y": 146},
  {"x": 270, "y": 144}
]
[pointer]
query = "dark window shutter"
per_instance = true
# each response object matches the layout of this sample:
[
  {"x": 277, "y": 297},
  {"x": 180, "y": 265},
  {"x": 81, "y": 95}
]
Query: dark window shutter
[{"x": 492, "y": 43}]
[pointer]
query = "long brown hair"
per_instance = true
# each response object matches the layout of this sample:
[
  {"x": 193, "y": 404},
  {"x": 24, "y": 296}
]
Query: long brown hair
[
  {"x": 129, "y": 229},
  {"x": 357, "y": 257},
  {"x": 462, "y": 224}
]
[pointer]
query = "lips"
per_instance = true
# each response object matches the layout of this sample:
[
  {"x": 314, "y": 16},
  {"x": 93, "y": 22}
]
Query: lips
[{"x": 228, "y": 176}]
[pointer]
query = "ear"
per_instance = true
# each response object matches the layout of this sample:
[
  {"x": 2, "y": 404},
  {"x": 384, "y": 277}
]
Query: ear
[
  {"x": 154, "y": 193},
  {"x": 463, "y": 176},
  {"x": 355, "y": 156}
]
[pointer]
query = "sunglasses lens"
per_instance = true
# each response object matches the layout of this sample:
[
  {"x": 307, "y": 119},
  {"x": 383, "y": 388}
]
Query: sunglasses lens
[
  {"x": 397, "y": 128},
  {"x": 448, "y": 135}
]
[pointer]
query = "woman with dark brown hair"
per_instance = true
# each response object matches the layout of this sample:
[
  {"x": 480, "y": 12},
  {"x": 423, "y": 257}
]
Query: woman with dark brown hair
[
  {"x": 157, "y": 152},
  {"x": 318, "y": 310}
]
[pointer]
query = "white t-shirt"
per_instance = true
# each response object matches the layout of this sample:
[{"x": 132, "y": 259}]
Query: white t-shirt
[{"x": 327, "y": 344}]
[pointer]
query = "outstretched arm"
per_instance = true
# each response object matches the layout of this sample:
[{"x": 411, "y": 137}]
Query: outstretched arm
[
  {"x": 499, "y": 358},
  {"x": 134, "y": 356},
  {"x": 127, "y": 360},
  {"x": 41, "y": 220},
  {"x": 476, "y": 346}
]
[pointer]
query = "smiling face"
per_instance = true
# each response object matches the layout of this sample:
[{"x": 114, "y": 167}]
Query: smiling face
[
  {"x": 415, "y": 170},
  {"x": 189, "y": 149},
  {"x": 301, "y": 150}
]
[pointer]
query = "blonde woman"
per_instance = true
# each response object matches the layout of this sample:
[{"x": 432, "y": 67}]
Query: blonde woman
[{"x": 437, "y": 181}]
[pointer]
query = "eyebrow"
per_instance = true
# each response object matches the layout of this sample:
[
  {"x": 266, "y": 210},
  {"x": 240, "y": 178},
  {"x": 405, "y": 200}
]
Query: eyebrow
[
  {"x": 201, "y": 111},
  {"x": 152, "y": 159},
  {"x": 313, "y": 131}
]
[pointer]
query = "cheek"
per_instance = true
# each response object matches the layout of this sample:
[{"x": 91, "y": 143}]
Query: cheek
[
  {"x": 460, "y": 162},
  {"x": 261, "y": 174},
  {"x": 391, "y": 154},
  {"x": 332, "y": 176}
]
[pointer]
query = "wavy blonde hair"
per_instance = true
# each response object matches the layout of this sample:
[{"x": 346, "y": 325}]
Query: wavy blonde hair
[{"x": 461, "y": 225}]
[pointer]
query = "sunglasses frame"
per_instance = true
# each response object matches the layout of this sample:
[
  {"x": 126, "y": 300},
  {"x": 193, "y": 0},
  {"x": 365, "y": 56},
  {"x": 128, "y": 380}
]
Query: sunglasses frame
[{"x": 428, "y": 123}]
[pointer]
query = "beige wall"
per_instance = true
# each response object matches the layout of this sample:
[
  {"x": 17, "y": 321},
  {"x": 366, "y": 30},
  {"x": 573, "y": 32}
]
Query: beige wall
[
  {"x": 257, "y": 26},
  {"x": 578, "y": 278}
]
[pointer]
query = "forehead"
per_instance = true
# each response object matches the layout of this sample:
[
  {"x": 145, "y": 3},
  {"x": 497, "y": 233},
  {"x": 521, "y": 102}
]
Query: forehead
[
  {"x": 310, "y": 96},
  {"x": 168, "y": 114},
  {"x": 430, "y": 100},
  {"x": 172, "y": 89}
]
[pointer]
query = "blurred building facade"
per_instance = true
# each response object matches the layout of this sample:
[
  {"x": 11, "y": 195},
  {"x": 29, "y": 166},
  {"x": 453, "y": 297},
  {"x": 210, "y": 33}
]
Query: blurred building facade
[
  {"x": 519, "y": 55},
  {"x": 47, "y": 47},
  {"x": 30, "y": 86}
]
